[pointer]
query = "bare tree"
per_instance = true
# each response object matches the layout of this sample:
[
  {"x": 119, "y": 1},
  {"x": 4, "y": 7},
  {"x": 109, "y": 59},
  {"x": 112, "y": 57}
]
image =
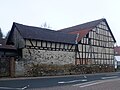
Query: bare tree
[{"x": 45, "y": 25}]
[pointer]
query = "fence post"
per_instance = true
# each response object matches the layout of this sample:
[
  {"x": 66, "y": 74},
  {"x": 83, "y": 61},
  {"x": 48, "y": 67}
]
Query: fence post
[{"x": 12, "y": 67}]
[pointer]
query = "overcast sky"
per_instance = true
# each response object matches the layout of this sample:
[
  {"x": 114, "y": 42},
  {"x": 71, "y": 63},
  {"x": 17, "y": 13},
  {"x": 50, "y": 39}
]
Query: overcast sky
[{"x": 59, "y": 13}]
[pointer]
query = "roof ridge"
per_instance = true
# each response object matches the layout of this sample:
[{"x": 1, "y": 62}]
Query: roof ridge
[
  {"x": 31, "y": 32},
  {"x": 83, "y": 25},
  {"x": 32, "y": 26}
]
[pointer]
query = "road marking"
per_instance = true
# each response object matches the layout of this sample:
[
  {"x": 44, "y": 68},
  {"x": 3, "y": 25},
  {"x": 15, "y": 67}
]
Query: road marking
[
  {"x": 91, "y": 84},
  {"x": 85, "y": 76},
  {"x": 25, "y": 87},
  {"x": 84, "y": 83},
  {"x": 83, "y": 80},
  {"x": 95, "y": 82},
  {"x": 109, "y": 77},
  {"x": 10, "y": 88}
]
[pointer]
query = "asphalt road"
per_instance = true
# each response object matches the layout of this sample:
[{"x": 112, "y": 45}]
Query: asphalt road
[
  {"x": 113, "y": 84},
  {"x": 59, "y": 81}
]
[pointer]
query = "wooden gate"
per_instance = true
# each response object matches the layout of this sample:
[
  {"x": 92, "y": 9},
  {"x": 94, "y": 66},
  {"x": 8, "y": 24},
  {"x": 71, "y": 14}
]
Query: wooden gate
[{"x": 4, "y": 67}]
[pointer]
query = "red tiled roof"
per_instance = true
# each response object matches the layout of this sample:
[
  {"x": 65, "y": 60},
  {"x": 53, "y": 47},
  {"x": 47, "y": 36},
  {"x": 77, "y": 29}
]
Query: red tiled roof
[
  {"x": 84, "y": 28},
  {"x": 82, "y": 33}
]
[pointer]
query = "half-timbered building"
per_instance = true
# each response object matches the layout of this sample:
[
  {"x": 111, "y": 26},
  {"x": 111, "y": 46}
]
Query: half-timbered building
[
  {"x": 86, "y": 44},
  {"x": 95, "y": 44},
  {"x": 39, "y": 45}
]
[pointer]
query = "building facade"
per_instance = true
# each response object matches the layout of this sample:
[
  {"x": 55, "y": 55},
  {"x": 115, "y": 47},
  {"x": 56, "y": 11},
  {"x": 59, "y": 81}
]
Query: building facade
[
  {"x": 95, "y": 43},
  {"x": 117, "y": 57},
  {"x": 88, "y": 44}
]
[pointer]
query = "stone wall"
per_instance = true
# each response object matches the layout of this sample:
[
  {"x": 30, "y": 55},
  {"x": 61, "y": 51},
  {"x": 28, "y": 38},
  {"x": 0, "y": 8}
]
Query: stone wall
[
  {"x": 49, "y": 57},
  {"x": 31, "y": 56}
]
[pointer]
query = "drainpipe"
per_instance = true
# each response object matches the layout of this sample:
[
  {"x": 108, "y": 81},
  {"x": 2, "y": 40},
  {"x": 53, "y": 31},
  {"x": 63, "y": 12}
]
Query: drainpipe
[{"x": 76, "y": 47}]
